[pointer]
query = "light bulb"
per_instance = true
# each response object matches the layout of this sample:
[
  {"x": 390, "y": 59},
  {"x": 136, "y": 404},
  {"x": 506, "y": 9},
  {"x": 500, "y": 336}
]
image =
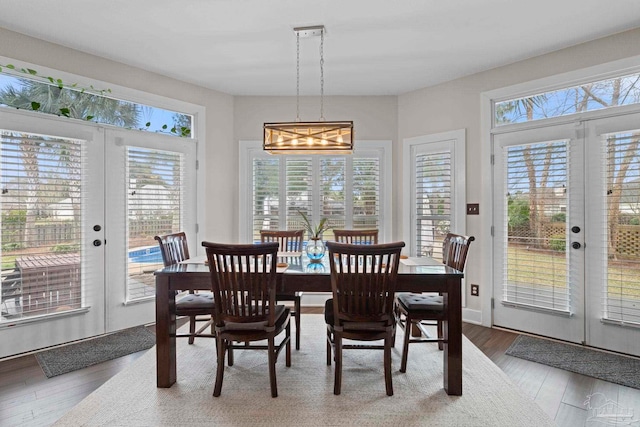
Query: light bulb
[
  {"x": 309, "y": 141},
  {"x": 295, "y": 141}
]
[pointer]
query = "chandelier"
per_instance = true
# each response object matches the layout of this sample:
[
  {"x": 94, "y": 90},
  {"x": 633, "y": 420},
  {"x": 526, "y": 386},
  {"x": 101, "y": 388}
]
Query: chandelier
[{"x": 298, "y": 137}]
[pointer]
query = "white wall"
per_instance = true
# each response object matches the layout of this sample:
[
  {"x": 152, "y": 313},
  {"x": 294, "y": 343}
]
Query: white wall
[
  {"x": 456, "y": 105},
  {"x": 218, "y": 140}
]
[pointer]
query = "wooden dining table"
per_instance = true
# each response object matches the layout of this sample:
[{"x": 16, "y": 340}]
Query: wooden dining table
[{"x": 414, "y": 275}]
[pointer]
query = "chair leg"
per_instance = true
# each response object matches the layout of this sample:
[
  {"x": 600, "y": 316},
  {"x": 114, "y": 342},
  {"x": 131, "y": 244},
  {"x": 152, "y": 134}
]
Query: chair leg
[
  {"x": 387, "y": 364},
  {"x": 296, "y": 306},
  {"x": 192, "y": 328},
  {"x": 288, "y": 348},
  {"x": 272, "y": 367},
  {"x": 440, "y": 335},
  {"x": 405, "y": 345},
  {"x": 329, "y": 345},
  {"x": 222, "y": 347},
  {"x": 337, "y": 340}
]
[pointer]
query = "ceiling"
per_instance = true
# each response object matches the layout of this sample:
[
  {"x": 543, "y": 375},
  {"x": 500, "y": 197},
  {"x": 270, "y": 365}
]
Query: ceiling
[{"x": 372, "y": 47}]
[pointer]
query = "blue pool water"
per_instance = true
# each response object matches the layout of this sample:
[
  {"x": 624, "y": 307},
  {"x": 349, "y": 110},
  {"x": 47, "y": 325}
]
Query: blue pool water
[{"x": 149, "y": 254}]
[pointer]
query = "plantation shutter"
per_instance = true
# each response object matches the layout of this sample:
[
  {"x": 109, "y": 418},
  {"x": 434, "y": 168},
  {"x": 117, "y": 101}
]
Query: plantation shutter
[
  {"x": 366, "y": 192},
  {"x": 154, "y": 207},
  {"x": 333, "y": 191},
  {"x": 299, "y": 191},
  {"x": 432, "y": 201},
  {"x": 41, "y": 204},
  {"x": 620, "y": 294},
  {"x": 344, "y": 189},
  {"x": 536, "y": 202},
  {"x": 265, "y": 196}
]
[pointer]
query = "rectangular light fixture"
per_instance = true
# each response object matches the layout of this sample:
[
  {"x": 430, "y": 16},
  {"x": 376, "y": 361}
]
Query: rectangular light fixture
[{"x": 308, "y": 138}]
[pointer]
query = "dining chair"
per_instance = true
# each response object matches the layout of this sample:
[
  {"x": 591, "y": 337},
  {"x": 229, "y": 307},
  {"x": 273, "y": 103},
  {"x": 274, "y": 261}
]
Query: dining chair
[
  {"x": 290, "y": 241},
  {"x": 357, "y": 237},
  {"x": 412, "y": 309},
  {"x": 197, "y": 306},
  {"x": 243, "y": 281},
  {"x": 363, "y": 282}
]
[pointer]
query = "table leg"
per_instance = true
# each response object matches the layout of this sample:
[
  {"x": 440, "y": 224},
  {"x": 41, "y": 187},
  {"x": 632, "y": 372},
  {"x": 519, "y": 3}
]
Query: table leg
[
  {"x": 165, "y": 333},
  {"x": 453, "y": 336}
]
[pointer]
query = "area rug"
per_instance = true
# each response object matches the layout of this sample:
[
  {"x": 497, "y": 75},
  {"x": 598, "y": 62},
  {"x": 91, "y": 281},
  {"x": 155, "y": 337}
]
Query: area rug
[
  {"x": 594, "y": 363},
  {"x": 305, "y": 391},
  {"x": 60, "y": 360}
]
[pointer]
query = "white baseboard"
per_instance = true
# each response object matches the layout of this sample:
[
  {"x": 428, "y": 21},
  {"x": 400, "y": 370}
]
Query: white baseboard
[{"x": 472, "y": 316}]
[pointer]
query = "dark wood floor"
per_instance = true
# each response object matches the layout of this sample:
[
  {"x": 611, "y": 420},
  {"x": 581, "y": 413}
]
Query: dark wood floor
[{"x": 28, "y": 398}]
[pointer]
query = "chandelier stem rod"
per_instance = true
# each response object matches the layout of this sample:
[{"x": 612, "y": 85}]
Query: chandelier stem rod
[
  {"x": 297, "y": 76},
  {"x": 322, "y": 75}
]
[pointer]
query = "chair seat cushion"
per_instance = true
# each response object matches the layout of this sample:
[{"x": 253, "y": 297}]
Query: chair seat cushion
[
  {"x": 421, "y": 302},
  {"x": 281, "y": 314},
  {"x": 196, "y": 301}
]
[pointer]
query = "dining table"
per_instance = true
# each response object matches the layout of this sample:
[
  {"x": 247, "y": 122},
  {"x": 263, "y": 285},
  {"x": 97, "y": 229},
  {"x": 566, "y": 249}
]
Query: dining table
[{"x": 415, "y": 274}]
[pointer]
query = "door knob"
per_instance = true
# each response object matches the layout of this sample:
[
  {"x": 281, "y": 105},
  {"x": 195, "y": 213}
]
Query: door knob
[
  {"x": 97, "y": 242},
  {"x": 576, "y": 245},
  {"x": 575, "y": 229}
]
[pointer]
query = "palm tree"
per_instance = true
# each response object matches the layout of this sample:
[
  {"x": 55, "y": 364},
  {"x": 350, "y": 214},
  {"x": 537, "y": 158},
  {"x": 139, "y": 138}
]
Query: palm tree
[{"x": 32, "y": 95}]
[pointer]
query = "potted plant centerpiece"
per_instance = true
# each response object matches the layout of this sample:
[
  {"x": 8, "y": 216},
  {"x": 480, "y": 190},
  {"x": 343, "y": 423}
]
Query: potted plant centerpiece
[{"x": 315, "y": 246}]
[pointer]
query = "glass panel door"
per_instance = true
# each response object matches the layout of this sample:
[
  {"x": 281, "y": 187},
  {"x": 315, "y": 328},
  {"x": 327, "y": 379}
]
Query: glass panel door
[
  {"x": 539, "y": 248},
  {"x": 150, "y": 191},
  {"x": 52, "y": 251}
]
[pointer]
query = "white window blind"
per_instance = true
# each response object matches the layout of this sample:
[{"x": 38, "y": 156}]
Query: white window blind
[
  {"x": 345, "y": 189},
  {"x": 621, "y": 292},
  {"x": 432, "y": 201},
  {"x": 41, "y": 204},
  {"x": 535, "y": 269},
  {"x": 154, "y": 207},
  {"x": 299, "y": 191}
]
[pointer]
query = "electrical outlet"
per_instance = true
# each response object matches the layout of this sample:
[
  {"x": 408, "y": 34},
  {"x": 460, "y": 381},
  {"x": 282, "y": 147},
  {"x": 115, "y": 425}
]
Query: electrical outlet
[
  {"x": 473, "y": 209},
  {"x": 475, "y": 290}
]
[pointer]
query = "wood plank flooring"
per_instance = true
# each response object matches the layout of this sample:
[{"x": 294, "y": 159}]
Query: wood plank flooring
[{"x": 28, "y": 398}]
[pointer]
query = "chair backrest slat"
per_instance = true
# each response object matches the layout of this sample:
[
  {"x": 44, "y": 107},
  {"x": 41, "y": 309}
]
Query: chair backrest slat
[
  {"x": 363, "y": 281},
  {"x": 289, "y": 240},
  {"x": 243, "y": 281},
  {"x": 454, "y": 250},
  {"x": 357, "y": 237},
  {"x": 173, "y": 248}
]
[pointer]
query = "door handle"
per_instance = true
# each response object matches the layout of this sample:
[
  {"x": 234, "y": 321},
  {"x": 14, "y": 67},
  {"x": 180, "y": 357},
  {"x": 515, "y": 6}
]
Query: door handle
[
  {"x": 576, "y": 245},
  {"x": 97, "y": 242}
]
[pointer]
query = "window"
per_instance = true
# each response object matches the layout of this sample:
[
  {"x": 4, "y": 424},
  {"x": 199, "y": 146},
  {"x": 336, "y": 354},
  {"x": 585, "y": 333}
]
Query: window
[
  {"x": 347, "y": 190},
  {"x": 154, "y": 207},
  {"x": 42, "y": 197},
  {"x": 90, "y": 105},
  {"x": 624, "y": 90},
  {"x": 433, "y": 204}
]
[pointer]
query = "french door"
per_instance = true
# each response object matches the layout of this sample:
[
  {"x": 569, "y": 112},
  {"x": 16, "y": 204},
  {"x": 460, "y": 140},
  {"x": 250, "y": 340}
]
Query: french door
[
  {"x": 567, "y": 210},
  {"x": 80, "y": 206}
]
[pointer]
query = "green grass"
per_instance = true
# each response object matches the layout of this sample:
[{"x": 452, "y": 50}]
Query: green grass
[{"x": 548, "y": 269}]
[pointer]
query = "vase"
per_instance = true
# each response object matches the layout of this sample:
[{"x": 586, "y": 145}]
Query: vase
[{"x": 315, "y": 249}]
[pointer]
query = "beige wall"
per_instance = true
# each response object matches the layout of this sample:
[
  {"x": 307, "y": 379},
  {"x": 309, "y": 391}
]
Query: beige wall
[
  {"x": 456, "y": 105},
  {"x": 218, "y": 140}
]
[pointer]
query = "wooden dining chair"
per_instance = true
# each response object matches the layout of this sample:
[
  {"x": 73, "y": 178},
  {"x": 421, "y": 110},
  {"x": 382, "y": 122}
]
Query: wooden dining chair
[
  {"x": 357, "y": 237},
  {"x": 197, "y": 306},
  {"x": 243, "y": 281},
  {"x": 289, "y": 241},
  {"x": 413, "y": 309},
  {"x": 363, "y": 282}
]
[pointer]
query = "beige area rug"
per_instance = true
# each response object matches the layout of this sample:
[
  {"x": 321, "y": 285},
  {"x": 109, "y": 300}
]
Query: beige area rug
[{"x": 305, "y": 391}]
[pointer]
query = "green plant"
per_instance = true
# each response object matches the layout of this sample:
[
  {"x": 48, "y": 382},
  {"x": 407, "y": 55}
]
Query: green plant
[
  {"x": 559, "y": 217},
  {"x": 315, "y": 232},
  {"x": 558, "y": 242}
]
